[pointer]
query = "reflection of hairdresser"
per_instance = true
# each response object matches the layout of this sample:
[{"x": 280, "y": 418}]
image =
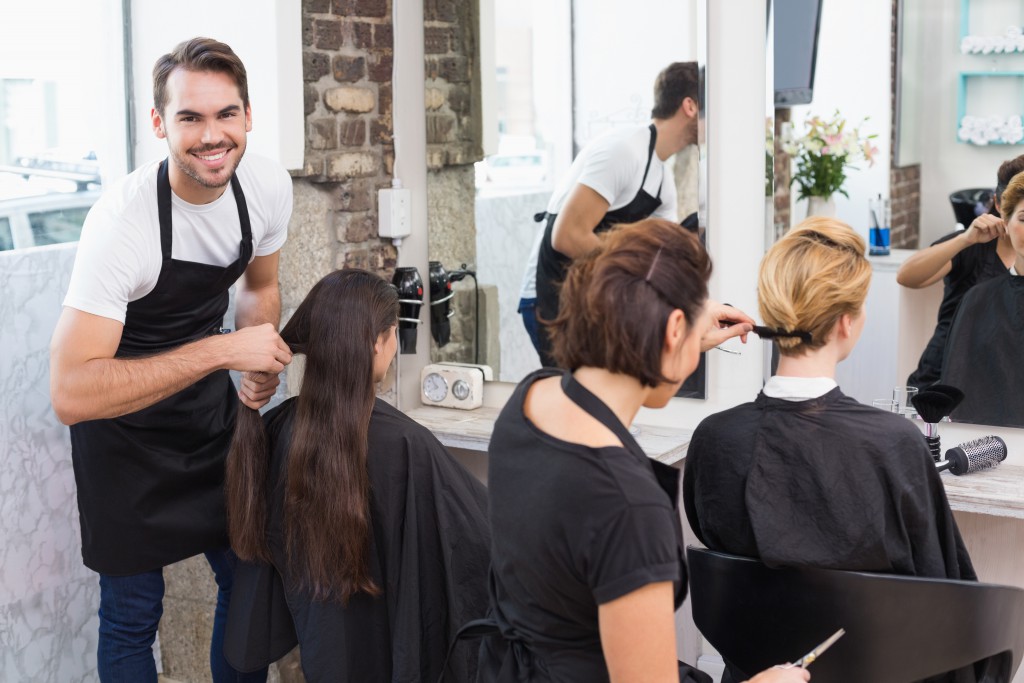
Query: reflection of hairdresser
[
  {"x": 984, "y": 348},
  {"x": 374, "y": 539},
  {"x": 620, "y": 177},
  {"x": 804, "y": 475},
  {"x": 586, "y": 554},
  {"x": 962, "y": 259}
]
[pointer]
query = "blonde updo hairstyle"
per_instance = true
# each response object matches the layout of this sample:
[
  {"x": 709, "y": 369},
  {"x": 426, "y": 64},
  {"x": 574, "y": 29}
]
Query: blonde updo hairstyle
[{"x": 809, "y": 279}]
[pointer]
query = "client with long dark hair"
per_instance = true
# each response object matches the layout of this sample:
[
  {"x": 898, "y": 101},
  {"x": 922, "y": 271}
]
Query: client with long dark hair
[
  {"x": 587, "y": 562},
  {"x": 366, "y": 541}
]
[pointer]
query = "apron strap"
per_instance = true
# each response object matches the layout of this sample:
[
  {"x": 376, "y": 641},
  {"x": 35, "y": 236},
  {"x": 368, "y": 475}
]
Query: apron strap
[
  {"x": 163, "y": 205},
  {"x": 666, "y": 475},
  {"x": 245, "y": 249},
  {"x": 650, "y": 156},
  {"x": 598, "y": 410}
]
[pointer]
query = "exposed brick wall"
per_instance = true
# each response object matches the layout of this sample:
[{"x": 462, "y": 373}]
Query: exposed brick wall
[
  {"x": 904, "y": 181},
  {"x": 347, "y": 54},
  {"x": 454, "y": 125},
  {"x": 453, "y": 83}
]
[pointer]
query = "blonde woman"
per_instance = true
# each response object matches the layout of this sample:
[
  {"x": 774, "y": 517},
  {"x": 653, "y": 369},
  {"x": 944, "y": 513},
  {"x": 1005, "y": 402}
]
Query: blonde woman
[{"x": 804, "y": 475}]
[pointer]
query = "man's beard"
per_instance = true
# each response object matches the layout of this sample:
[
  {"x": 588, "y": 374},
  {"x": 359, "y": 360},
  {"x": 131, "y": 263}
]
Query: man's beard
[{"x": 186, "y": 164}]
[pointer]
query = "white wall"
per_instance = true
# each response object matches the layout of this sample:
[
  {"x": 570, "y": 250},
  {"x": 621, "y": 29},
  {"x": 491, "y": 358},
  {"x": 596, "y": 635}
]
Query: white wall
[
  {"x": 615, "y": 72},
  {"x": 853, "y": 76},
  {"x": 265, "y": 34}
]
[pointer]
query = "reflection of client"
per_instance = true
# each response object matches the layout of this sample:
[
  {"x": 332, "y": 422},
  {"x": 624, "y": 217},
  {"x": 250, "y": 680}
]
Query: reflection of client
[
  {"x": 987, "y": 333},
  {"x": 375, "y": 539},
  {"x": 620, "y": 177},
  {"x": 961, "y": 259},
  {"x": 804, "y": 475}
]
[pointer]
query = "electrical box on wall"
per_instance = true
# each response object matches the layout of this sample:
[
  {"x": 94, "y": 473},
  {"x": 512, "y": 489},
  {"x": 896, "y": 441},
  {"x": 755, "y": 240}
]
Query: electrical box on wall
[{"x": 393, "y": 208}]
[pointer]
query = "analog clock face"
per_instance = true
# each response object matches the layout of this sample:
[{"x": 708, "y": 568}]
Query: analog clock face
[
  {"x": 435, "y": 388},
  {"x": 461, "y": 389}
]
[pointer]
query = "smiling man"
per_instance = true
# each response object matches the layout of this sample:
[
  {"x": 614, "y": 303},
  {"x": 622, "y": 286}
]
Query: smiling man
[{"x": 138, "y": 364}]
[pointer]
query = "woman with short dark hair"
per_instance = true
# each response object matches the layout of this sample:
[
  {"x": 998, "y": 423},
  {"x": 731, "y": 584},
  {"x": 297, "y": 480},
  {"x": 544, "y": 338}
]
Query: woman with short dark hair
[{"x": 587, "y": 563}]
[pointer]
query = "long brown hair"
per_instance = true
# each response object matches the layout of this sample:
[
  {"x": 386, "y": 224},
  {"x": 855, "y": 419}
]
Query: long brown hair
[{"x": 326, "y": 504}]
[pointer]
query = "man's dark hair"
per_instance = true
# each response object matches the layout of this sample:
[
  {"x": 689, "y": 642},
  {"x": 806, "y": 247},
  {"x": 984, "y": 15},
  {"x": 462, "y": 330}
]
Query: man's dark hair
[
  {"x": 198, "y": 54},
  {"x": 675, "y": 83}
]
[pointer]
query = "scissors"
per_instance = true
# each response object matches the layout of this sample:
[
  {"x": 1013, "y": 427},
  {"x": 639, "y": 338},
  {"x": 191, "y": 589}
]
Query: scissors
[{"x": 813, "y": 655}]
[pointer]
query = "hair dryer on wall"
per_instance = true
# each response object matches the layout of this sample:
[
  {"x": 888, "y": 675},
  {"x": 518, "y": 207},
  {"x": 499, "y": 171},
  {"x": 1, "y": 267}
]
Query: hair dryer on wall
[
  {"x": 409, "y": 284},
  {"x": 441, "y": 309}
]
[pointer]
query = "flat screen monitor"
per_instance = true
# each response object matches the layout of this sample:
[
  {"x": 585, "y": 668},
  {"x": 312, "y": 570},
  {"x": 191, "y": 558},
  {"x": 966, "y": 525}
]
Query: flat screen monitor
[{"x": 796, "y": 49}]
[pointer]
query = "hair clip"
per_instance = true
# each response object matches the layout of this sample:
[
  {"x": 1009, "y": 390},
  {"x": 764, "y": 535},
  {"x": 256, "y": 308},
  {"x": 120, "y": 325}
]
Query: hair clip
[{"x": 654, "y": 263}]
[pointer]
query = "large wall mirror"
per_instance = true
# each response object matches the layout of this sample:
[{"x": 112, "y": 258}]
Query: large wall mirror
[
  {"x": 939, "y": 83},
  {"x": 556, "y": 74}
]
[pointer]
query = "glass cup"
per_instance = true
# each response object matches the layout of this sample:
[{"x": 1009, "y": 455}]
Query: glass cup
[
  {"x": 903, "y": 397},
  {"x": 886, "y": 404}
]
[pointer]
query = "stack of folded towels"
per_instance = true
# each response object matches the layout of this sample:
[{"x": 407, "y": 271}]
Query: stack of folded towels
[
  {"x": 1012, "y": 40},
  {"x": 986, "y": 130}
]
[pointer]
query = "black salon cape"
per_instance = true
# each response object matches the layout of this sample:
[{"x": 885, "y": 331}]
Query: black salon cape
[
  {"x": 975, "y": 264},
  {"x": 984, "y": 352},
  {"x": 429, "y": 555},
  {"x": 826, "y": 482}
]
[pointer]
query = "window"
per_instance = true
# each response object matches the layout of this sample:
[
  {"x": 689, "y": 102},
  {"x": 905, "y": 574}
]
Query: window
[
  {"x": 54, "y": 227},
  {"x": 63, "y": 127}
]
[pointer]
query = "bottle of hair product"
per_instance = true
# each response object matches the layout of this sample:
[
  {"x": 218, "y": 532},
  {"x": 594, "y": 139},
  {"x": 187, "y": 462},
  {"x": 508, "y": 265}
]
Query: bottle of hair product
[{"x": 879, "y": 217}]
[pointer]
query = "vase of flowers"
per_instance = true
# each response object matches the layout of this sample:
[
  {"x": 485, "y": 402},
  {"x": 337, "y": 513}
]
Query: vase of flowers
[{"x": 823, "y": 154}]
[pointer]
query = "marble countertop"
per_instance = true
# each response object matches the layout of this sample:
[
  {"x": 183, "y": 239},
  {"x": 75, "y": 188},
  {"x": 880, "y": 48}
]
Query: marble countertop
[
  {"x": 471, "y": 430},
  {"x": 998, "y": 491}
]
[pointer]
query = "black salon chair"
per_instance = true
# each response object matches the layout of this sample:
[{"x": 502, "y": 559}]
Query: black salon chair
[
  {"x": 966, "y": 204},
  {"x": 899, "y": 629}
]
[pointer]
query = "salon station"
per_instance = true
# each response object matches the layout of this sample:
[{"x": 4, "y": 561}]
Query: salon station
[{"x": 423, "y": 137}]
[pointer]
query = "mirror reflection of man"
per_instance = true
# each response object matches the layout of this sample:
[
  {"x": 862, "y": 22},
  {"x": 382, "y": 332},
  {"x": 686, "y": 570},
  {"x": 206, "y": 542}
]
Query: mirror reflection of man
[
  {"x": 620, "y": 177},
  {"x": 138, "y": 366}
]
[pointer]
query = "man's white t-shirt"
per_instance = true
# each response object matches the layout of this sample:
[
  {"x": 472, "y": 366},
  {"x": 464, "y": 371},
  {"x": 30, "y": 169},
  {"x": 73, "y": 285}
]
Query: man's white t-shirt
[
  {"x": 613, "y": 166},
  {"x": 119, "y": 259}
]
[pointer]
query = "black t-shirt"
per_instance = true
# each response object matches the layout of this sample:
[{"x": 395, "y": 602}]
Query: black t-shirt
[
  {"x": 572, "y": 527},
  {"x": 975, "y": 264}
]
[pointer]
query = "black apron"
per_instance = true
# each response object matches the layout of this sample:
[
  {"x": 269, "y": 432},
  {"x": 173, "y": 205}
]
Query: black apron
[
  {"x": 151, "y": 483},
  {"x": 506, "y": 658},
  {"x": 552, "y": 264}
]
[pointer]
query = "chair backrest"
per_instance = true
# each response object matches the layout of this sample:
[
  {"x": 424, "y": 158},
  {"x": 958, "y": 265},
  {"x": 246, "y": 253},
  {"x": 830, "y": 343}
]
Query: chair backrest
[{"x": 899, "y": 629}]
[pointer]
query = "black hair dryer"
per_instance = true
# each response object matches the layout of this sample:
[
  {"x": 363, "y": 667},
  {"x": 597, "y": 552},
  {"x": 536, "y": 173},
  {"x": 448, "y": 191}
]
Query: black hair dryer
[
  {"x": 441, "y": 309},
  {"x": 409, "y": 284}
]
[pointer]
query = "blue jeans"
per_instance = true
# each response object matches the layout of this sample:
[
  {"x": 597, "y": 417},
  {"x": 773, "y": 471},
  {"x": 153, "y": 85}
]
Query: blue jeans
[
  {"x": 130, "y": 611},
  {"x": 528, "y": 309}
]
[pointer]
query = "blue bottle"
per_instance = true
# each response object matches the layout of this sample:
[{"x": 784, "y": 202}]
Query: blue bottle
[{"x": 878, "y": 226}]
